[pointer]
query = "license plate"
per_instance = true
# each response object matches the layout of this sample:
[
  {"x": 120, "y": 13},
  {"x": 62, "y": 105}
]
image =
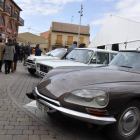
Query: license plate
[
  {"x": 43, "y": 108},
  {"x": 28, "y": 66}
]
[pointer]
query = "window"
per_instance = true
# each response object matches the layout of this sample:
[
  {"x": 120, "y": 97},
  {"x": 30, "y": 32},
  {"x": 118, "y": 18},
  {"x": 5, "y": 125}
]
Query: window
[
  {"x": 16, "y": 15},
  {"x": 112, "y": 55},
  {"x": 11, "y": 9},
  {"x": 9, "y": 25},
  {"x": 2, "y": 22},
  {"x": 102, "y": 58}
]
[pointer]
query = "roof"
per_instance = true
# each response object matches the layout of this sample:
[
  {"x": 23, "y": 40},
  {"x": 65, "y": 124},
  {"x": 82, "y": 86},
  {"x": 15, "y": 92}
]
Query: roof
[
  {"x": 70, "y": 28},
  {"x": 34, "y": 39},
  {"x": 117, "y": 30},
  {"x": 99, "y": 50},
  {"x": 45, "y": 34},
  {"x": 16, "y": 5}
]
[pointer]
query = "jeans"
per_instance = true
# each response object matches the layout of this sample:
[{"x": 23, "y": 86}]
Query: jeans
[{"x": 7, "y": 66}]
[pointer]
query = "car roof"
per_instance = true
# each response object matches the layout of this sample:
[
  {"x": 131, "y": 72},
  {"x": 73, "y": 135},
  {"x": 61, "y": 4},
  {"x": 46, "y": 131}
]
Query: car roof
[
  {"x": 137, "y": 51},
  {"x": 99, "y": 50}
]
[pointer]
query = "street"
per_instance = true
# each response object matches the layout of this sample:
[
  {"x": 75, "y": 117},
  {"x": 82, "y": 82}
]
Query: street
[{"x": 20, "y": 119}]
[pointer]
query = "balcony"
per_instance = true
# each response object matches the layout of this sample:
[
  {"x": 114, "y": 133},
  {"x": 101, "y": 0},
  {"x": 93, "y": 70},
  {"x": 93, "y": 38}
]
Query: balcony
[
  {"x": 1, "y": 6},
  {"x": 6, "y": 11},
  {"x": 20, "y": 22},
  {"x": 14, "y": 17}
]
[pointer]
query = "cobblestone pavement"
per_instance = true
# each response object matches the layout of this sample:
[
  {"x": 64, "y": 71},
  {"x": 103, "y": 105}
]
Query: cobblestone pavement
[
  {"x": 21, "y": 120},
  {"x": 15, "y": 124}
]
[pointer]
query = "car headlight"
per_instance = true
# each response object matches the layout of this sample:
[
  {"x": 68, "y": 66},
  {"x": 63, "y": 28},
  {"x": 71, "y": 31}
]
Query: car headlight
[
  {"x": 89, "y": 98},
  {"x": 34, "y": 60}
]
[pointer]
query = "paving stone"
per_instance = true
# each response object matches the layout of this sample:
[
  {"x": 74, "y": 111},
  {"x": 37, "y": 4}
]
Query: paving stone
[
  {"x": 3, "y": 119},
  {"x": 3, "y": 132},
  {"x": 21, "y": 127},
  {"x": 20, "y": 137},
  {"x": 34, "y": 137},
  {"x": 23, "y": 119},
  {"x": 47, "y": 137},
  {"x": 40, "y": 132},
  {"x": 33, "y": 127},
  {"x": 14, "y": 123},
  {"x": 5, "y": 137},
  {"x": 15, "y": 132},
  {"x": 4, "y": 122},
  {"x": 12, "y": 119},
  {"x": 18, "y": 116},
  {"x": 26, "y": 123},
  {"x": 35, "y": 123},
  {"x": 7, "y": 115},
  {"x": 28, "y": 132},
  {"x": 9, "y": 127}
]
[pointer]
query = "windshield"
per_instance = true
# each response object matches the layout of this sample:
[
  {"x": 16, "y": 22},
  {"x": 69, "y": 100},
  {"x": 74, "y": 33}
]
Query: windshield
[
  {"x": 82, "y": 56},
  {"x": 128, "y": 60},
  {"x": 57, "y": 52}
]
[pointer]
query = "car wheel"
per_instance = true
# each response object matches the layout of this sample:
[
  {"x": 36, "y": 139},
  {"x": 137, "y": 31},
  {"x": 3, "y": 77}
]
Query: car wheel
[
  {"x": 31, "y": 71},
  {"x": 127, "y": 126}
]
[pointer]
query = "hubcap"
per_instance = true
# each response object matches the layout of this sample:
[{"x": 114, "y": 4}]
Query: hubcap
[{"x": 129, "y": 121}]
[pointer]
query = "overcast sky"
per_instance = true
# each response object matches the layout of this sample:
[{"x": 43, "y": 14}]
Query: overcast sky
[{"x": 38, "y": 14}]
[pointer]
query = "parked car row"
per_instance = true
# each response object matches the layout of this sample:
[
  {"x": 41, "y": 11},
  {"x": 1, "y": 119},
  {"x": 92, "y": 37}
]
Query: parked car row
[{"x": 87, "y": 87}]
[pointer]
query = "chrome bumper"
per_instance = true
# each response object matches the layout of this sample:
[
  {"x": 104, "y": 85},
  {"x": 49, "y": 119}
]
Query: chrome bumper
[
  {"x": 40, "y": 73},
  {"x": 31, "y": 66},
  {"x": 75, "y": 114}
]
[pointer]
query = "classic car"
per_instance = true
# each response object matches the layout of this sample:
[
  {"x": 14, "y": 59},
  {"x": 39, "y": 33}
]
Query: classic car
[
  {"x": 107, "y": 95},
  {"x": 78, "y": 57},
  {"x": 56, "y": 54}
]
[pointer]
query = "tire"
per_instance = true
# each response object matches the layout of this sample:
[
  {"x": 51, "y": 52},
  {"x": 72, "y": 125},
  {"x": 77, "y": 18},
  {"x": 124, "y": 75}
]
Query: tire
[
  {"x": 128, "y": 129},
  {"x": 31, "y": 71}
]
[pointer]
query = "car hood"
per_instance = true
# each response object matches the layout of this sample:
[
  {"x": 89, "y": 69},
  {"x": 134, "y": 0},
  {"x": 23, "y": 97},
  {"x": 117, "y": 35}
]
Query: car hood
[
  {"x": 57, "y": 85},
  {"x": 59, "y": 63},
  {"x": 40, "y": 58}
]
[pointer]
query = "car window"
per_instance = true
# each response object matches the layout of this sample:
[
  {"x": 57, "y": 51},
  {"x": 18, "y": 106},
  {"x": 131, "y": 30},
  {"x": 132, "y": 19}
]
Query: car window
[
  {"x": 80, "y": 55},
  {"x": 112, "y": 55},
  {"x": 57, "y": 52},
  {"x": 102, "y": 58},
  {"x": 127, "y": 59}
]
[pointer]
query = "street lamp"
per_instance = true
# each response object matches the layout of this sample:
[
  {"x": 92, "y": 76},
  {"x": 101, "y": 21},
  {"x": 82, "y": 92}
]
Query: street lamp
[{"x": 81, "y": 14}]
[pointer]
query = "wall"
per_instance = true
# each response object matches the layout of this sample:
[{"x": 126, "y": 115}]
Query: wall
[{"x": 65, "y": 37}]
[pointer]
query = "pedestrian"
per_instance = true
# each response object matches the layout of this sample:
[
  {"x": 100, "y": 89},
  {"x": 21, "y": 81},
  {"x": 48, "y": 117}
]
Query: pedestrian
[
  {"x": 44, "y": 51},
  {"x": 83, "y": 45},
  {"x": 70, "y": 48},
  {"x": 16, "y": 56},
  {"x": 33, "y": 50},
  {"x": 8, "y": 54},
  {"x": 1, "y": 53},
  {"x": 21, "y": 52},
  {"x": 27, "y": 52},
  {"x": 37, "y": 51}
]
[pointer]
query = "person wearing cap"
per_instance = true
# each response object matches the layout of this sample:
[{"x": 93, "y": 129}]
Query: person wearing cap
[
  {"x": 8, "y": 55},
  {"x": 70, "y": 48},
  {"x": 1, "y": 53}
]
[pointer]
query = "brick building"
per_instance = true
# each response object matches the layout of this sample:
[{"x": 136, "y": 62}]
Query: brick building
[{"x": 10, "y": 19}]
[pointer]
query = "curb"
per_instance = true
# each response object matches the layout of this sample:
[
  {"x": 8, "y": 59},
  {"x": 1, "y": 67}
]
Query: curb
[{"x": 31, "y": 115}]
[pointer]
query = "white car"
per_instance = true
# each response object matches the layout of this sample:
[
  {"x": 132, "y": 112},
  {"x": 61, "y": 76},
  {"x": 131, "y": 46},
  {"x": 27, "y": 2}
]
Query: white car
[
  {"x": 78, "y": 57},
  {"x": 56, "y": 54}
]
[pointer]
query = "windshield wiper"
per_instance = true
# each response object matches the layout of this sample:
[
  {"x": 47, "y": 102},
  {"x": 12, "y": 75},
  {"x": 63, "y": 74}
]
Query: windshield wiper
[{"x": 126, "y": 66}]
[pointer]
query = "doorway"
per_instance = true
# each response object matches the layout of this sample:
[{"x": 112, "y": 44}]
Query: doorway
[{"x": 115, "y": 47}]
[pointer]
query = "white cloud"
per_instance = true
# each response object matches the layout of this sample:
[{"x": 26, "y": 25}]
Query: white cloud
[
  {"x": 124, "y": 8},
  {"x": 42, "y": 7}
]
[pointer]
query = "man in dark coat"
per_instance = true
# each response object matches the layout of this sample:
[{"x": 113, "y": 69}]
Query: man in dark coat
[
  {"x": 70, "y": 48},
  {"x": 37, "y": 51},
  {"x": 16, "y": 56}
]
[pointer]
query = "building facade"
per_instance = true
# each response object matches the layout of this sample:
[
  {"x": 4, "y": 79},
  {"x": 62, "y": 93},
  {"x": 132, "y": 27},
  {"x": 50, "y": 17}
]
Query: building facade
[
  {"x": 63, "y": 35},
  {"x": 10, "y": 19}
]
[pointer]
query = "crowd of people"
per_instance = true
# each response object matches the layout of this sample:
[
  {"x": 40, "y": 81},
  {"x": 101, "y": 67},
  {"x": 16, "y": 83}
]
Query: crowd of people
[{"x": 11, "y": 52}]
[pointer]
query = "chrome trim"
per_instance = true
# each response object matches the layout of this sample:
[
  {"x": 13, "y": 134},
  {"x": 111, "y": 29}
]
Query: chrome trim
[
  {"x": 81, "y": 116},
  {"x": 46, "y": 98}
]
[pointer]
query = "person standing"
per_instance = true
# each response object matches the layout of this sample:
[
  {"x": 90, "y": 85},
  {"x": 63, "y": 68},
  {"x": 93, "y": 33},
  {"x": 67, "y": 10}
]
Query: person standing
[
  {"x": 70, "y": 48},
  {"x": 37, "y": 51},
  {"x": 1, "y": 53},
  {"x": 44, "y": 51},
  {"x": 27, "y": 52},
  {"x": 21, "y": 52},
  {"x": 16, "y": 56},
  {"x": 8, "y": 54}
]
